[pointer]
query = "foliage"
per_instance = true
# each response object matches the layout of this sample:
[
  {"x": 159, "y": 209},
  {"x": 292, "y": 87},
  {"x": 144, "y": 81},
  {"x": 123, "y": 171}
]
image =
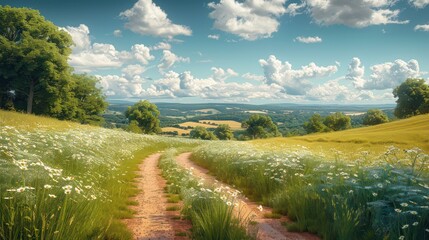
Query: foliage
[
  {"x": 146, "y": 115},
  {"x": 337, "y": 122},
  {"x": 315, "y": 124},
  {"x": 202, "y": 133},
  {"x": 91, "y": 103},
  {"x": 374, "y": 117},
  {"x": 224, "y": 132},
  {"x": 210, "y": 208},
  {"x": 33, "y": 63},
  {"x": 35, "y": 75},
  {"x": 260, "y": 126},
  {"x": 413, "y": 98},
  {"x": 382, "y": 199}
]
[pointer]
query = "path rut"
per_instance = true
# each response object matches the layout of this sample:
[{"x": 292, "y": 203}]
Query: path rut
[
  {"x": 150, "y": 221},
  {"x": 267, "y": 229}
]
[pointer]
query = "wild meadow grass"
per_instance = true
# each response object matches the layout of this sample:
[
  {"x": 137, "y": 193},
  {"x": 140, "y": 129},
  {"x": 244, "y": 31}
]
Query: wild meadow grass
[
  {"x": 62, "y": 180},
  {"x": 210, "y": 209},
  {"x": 386, "y": 198}
]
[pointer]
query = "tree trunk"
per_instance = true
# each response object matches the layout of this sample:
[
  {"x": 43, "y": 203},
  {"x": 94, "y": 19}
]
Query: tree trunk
[{"x": 30, "y": 98}]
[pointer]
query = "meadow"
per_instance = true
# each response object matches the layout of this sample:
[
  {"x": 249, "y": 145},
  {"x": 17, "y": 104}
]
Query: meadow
[{"x": 62, "y": 180}]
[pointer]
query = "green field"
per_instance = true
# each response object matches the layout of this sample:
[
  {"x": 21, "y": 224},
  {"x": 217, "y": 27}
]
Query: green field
[{"x": 62, "y": 180}]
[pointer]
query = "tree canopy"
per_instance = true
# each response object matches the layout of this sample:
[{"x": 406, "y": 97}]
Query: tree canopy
[
  {"x": 337, "y": 121},
  {"x": 202, "y": 133},
  {"x": 224, "y": 132},
  {"x": 315, "y": 124},
  {"x": 413, "y": 98},
  {"x": 146, "y": 115},
  {"x": 374, "y": 117},
  {"x": 260, "y": 126},
  {"x": 34, "y": 73}
]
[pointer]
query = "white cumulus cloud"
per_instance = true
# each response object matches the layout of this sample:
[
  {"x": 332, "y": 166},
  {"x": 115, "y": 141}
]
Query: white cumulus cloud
[
  {"x": 356, "y": 73},
  {"x": 419, "y": 3},
  {"x": 424, "y": 27},
  {"x": 117, "y": 33},
  {"x": 250, "y": 19},
  {"x": 294, "y": 81},
  {"x": 315, "y": 39},
  {"x": 162, "y": 46},
  {"x": 133, "y": 70},
  {"x": 391, "y": 74},
  {"x": 169, "y": 59},
  {"x": 87, "y": 56},
  {"x": 146, "y": 18},
  {"x": 356, "y": 13},
  {"x": 220, "y": 74},
  {"x": 215, "y": 36}
]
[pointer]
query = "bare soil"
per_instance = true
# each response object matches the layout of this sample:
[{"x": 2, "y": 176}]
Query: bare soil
[
  {"x": 266, "y": 229},
  {"x": 151, "y": 220}
]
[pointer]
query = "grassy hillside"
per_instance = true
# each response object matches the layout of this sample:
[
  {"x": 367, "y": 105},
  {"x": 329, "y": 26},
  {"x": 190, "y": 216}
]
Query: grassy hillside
[
  {"x": 404, "y": 134},
  {"x": 62, "y": 180}
]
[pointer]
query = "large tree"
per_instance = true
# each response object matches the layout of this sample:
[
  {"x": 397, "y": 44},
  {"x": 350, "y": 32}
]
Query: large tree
[
  {"x": 260, "y": 126},
  {"x": 90, "y": 100},
  {"x": 146, "y": 115},
  {"x": 202, "y": 133},
  {"x": 374, "y": 117},
  {"x": 33, "y": 63},
  {"x": 315, "y": 124},
  {"x": 224, "y": 132},
  {"x": 337, "y": 121},
  {"x": 413, "y": 98}
]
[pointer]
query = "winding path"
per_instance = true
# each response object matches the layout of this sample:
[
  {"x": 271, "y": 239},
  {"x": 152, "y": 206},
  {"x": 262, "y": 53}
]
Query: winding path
[
  {"x": 267, "y": 229},
  {"x": 150, "y": 221}
]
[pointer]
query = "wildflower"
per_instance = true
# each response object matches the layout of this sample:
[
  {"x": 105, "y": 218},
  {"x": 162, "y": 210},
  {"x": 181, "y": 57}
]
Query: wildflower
[
  {"x": 398, "y": 210},
  {"x": 260, "y": 208},
  {"x": 67, "y": 191},
  {"x": 228, "y": 203},
  {"x": 404, "y": 204},
  {"x": 21, "y": 189},
  {"x": 380, "y": 185},
  {"x": 47, "y": 186},
  {"x": 374, "y": 194},
  {"x": 351, "y": 191},
  {"x": 401, "y": 237},
  {"x": 405, "y": 226},
  {"x": 93, "y": 197},
  {"x": 415, "y": 223},
  {"x": 413, "y": 212},
  {"x": 52, "y": 196}
]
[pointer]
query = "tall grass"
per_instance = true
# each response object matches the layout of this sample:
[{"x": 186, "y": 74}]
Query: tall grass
[
  {"x": 61, "y": 180},
  {"x": 210, "y": 209},
  {"x": 384, "y": 199}
]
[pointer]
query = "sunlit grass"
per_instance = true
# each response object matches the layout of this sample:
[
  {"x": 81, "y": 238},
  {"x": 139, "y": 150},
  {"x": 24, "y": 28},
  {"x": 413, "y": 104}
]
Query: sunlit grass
[
  {"x": 61, "y": 180},
  {"x": 361, "y": 199},
  {"x": 403, "y": 134}
]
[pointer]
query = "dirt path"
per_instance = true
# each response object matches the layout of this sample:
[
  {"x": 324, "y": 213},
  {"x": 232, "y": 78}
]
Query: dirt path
[
  {"x": 151, "y": 220},
  {"x": 267, "y": 229}
]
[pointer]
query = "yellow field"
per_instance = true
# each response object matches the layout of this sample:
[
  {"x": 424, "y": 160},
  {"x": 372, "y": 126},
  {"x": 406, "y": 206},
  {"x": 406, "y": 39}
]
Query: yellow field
[
  {"x": 179, "y": 130},
  {"x": 195, "y": 124},
  {"x": 233, "y": 124},
  {"x": 403, "y": 134}
]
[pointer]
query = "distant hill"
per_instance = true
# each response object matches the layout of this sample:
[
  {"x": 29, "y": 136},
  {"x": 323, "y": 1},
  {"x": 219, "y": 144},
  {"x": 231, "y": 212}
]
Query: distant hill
[{"x": 403, "y": 134}]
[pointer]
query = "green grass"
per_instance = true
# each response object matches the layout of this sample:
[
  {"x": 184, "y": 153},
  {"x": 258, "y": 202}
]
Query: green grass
[
  {"x": 62, "y": 180},
  {"x": 211, "y": 215},
  {"x": 404, "y": 134},
  {"x": 172, "y": 208},
  {"x": 383, "y": 198}
]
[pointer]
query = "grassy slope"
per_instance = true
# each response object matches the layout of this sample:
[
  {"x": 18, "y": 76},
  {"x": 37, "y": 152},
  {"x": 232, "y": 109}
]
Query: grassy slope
[{"x": 404, "y": 134}]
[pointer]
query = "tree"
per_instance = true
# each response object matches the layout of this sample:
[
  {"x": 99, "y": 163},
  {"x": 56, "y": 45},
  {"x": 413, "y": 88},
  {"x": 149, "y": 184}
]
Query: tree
[
  {"x": 260, "y": 126},
  {"x": 315, "y": 124},
  {"x": 146, "y": 115},
  {"x": 413, "y": 98},
  {"x": 337, "y": 122},
  {"x": 91, "y": 102},
  {"x": 224, "y": 132},
  {"x": 33, "y": 63},
  {"x": 374, "y": 117},
  {"x": 202, "y": 133}
]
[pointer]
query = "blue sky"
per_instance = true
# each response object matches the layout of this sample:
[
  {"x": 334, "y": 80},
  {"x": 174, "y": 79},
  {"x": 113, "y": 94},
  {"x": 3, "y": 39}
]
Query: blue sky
[{"x": 258, "y": 51}]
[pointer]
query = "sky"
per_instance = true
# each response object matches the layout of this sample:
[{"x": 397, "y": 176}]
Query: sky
[{"x": 245, "y": 51}]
